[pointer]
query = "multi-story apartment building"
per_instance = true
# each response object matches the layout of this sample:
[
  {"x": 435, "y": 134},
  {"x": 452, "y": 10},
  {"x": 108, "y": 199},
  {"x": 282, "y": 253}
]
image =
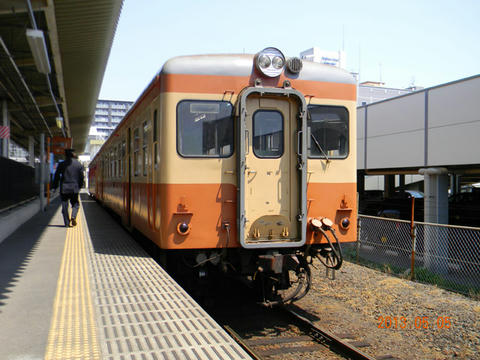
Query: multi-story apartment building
[{"x": 108, "y": 114}]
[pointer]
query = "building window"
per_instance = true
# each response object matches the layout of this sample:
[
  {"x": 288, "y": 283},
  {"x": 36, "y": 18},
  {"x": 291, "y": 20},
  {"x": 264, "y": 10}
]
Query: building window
[
  {"x": 205, "y": 128},
  {"x": 327, "y": 132},
  {"x": 268, "y": 134}
]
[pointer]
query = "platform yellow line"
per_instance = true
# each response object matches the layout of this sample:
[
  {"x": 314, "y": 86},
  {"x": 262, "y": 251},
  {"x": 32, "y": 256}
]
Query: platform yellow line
[{"x": 73, "y": 334}]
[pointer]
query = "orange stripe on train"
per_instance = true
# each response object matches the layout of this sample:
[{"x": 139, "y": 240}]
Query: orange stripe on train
[{"x": 206, "y": 206}]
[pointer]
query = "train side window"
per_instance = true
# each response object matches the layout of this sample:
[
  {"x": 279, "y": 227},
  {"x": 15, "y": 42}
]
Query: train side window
[
  {"x": 110, "y": 165},
  {"x": 268, "y": 134},
  {"x": 205, "y": 128},
  {"x": 122, "y": 158},
  {"x": 112, "y": 160},
  {"x": 105, "y": 166},
  {"x": 119, "y": 160},
  {"x": 136, "y": 151},
  {"x": 145, "y": 161},
  {"x": 155, "y": 138},
  {"x": 328, "y": 132}
]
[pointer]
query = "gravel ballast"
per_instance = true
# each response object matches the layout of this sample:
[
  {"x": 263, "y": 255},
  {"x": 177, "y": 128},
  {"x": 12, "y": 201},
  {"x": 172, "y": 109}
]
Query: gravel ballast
[{"x": 395, "y": 316}]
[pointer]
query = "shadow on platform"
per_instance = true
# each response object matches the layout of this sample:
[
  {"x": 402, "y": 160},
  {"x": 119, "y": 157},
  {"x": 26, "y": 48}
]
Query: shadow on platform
[
  {"x": 18, "y": 249},
  {"x": 107, "y": 234}
]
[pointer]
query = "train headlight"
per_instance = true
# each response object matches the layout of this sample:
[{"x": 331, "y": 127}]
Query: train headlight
[
  {"x": 264, "y": 61},
  {"x": 183, "y": 228},
  {"x": 270, "y": 62},
  {"x": 278, "y": 62},
  {"x": 345, "y": 223}
]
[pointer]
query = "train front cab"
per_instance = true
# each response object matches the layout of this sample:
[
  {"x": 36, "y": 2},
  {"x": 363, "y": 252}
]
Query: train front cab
[{"x": 270, "y": 204}]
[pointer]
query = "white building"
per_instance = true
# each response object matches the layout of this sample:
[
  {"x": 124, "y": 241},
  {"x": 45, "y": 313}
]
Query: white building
[
  {"x": 108, "y": 114},
  {"x": 368, "y": 91},
  {"x": 334, "y": 58}
]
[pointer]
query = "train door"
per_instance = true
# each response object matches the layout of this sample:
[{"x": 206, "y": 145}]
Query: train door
[{"x": 272, "y": 174}]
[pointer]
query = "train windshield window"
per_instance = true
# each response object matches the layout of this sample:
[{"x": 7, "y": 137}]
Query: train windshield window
[
  {"x": 268, "y": 134},
  {"x": 327, "y": 132},
  {"x": 205, "y": 128}
]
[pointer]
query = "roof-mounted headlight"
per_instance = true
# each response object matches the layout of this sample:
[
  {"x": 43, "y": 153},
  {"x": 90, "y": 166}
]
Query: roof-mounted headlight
[
  {"x": 264, "y": 61},
  {"x": 278, "y": 62},
  {"x": 270, "y": 62}
]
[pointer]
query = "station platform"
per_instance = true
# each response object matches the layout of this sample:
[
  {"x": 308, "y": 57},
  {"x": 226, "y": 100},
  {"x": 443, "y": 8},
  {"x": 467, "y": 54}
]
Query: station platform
[{"x": 91, "y": 292}]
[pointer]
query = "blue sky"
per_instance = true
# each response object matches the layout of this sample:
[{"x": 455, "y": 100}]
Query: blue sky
[{"x": 424, "y": 42}]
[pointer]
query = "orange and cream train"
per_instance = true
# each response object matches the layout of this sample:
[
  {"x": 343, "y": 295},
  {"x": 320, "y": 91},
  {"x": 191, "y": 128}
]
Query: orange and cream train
[{"x": 241, "y": 163}]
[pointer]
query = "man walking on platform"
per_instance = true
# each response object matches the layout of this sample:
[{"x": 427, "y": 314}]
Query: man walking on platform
[{"x": 70, "y": 175}]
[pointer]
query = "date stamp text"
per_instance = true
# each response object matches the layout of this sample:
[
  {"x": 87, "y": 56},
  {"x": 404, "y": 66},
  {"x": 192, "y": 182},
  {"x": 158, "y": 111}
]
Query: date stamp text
[{"x": 417, "y": 322}]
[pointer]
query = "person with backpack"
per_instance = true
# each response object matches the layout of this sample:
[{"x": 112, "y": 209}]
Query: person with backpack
[{"x": 70, "y": 176}]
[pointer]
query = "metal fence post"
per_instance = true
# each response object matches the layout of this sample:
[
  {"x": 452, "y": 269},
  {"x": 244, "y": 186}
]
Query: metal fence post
[
  {"x": 359, "y": 225},
  {"x": 412, "y": 235}
]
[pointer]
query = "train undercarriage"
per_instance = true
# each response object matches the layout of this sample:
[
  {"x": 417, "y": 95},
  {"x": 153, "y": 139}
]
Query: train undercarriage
[{"x": 276, "y": 276}]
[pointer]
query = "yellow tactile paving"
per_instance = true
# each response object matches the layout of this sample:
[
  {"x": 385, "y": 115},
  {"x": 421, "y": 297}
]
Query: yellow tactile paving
[{"x": 73, "y": 331}]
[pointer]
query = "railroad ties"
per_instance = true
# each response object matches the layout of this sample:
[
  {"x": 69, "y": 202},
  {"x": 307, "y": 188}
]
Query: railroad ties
[
  {"x": 311, "y": 339},
  {"x": 343, "y": 343}
]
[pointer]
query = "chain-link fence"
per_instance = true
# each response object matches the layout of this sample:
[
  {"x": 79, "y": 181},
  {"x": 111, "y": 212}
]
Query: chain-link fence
[{"x": 448, "y": 256}]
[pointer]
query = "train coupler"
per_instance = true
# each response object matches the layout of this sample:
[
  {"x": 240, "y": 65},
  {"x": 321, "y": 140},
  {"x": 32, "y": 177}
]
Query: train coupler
[
  {"x": 271, "y": 263},
  {"x": 276, "y": 263}
]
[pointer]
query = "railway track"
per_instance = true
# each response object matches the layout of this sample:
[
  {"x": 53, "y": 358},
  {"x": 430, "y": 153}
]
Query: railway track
[
  {"x": 276, "y": 333},
  {"x": 284, "y": 333},
  {"x": 347, "y": 348}
]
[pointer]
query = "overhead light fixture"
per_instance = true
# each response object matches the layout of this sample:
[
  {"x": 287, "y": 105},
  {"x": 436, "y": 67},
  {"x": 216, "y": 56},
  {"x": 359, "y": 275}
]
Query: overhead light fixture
[
  {"x": 59, "y": 121},
  {"x": 36, "y": 40}
]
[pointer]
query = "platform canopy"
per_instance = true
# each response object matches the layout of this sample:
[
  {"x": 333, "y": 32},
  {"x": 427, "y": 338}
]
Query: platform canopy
[{"x": 57, "y": 83}]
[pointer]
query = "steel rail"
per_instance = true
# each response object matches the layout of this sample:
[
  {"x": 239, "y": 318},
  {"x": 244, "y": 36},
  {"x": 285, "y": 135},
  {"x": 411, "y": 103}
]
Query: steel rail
[
  {"x": 242, "y": 343},
  {"x": 348, "y": 349}
]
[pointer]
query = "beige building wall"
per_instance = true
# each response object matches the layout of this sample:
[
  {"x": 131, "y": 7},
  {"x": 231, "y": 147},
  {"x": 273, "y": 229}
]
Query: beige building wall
[{"x": 439, "y": 126}]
